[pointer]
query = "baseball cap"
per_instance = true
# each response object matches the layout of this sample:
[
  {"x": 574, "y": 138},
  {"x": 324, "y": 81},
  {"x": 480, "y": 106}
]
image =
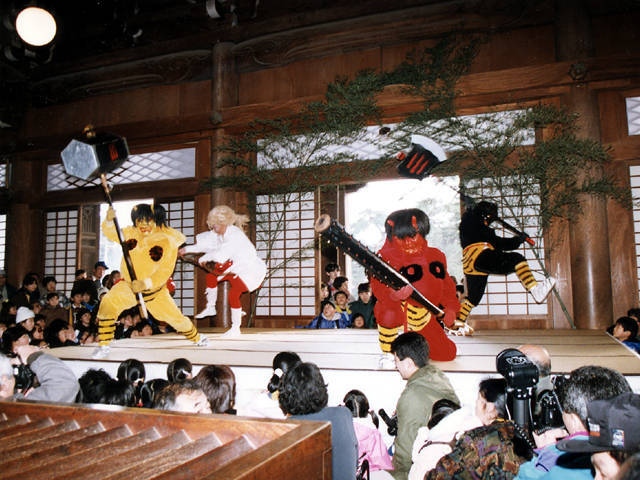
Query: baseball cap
[
  {"x": 614, "y": 424},
  {"x": 101, "y": 264},
  {"x": 23, "y": 314}
]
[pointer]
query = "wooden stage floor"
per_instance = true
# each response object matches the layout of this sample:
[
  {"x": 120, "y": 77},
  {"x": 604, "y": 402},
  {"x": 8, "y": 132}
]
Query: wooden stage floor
[{"x": 349, "y": 358}]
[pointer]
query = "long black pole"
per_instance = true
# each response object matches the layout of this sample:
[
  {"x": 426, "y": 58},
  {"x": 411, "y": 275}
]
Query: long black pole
[{"x": 125, "y": 248}]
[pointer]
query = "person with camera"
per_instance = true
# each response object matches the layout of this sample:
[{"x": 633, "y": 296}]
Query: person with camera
[
  {"x": 584, "y": 385},
  {"x": 35, "y": 375},
  {"x": 426, "y": 384},
  {"x": 493, "y": 450}
]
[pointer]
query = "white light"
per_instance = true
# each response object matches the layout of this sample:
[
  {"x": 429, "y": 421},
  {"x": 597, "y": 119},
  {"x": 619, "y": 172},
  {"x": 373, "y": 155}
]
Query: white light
[{"x": 36, "y": 26}]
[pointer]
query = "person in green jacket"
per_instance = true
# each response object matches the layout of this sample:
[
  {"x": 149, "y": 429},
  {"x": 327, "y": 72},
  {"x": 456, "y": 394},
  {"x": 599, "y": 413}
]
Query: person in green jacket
[{"x": 426, "y": 384}]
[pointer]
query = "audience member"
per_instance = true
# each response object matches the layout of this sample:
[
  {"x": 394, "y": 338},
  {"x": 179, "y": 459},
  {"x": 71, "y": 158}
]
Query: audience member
[
  {"x": 539, "y": 356},
  {"x": 332, "y": 271},
  {"x": 265, "y": 404},
  {"x": 142, "y": 329},
  {"x": 218, "y": 383},
  {"x": 371, "y": 446},
  {"x": 56, "y": 382},
  {"x": 6, "y": 289},
  {"x": 364, "y": 305},
  {"x": 426, "y": 384},
  {"x": 28, "y": 290},
  {"x": 150, "y": 389},
  {"x": 37, "y": 334},
  {"x": 125, "y": 323},
  {"x": 614, "y": 434},
  {"x": 625, "y": 330},
  {"x": 493, "y": 450},
  {"x": 584, "y": 385},
  {"x": 185, "y": 397},
  {"x": 8, "y": 313},
  {"x": 304, "y": 396},
  {"x": 87, "y": 290},
  {"x": 98, "y": 272},
  {"x": 86, "y": 327},
  {"x": 132, "y": 370},
  {"x": 99, "y": 387},
  {"x": 341, "y": 284},
  {"x": 341, "y": 301},
  {"x": 447, "y": 422},
  {"x": 324, "y": 292},
  {"x": 179, "y": 370},
  {"x": 357, "y": 321},
  {"x": 60, "y": 334},
  {"x": 328, "y": 317},
  {"x": 92, "y": 385},
  {"x": 53, "y": 309},
  {"x": 13, "y": 337},
  {"x": 27, "y": 319},
  {"x": 50, "y": 285}
]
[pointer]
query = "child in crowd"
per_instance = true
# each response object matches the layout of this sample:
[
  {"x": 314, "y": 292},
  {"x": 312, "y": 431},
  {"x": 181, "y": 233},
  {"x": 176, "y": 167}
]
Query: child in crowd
[
  {"x": 371, "y": 447},
  {"x": 357, "y": 321},
  {"x": 265, "y": 403},
  {"x": 85, "y": 326},
  {"x": 60, "y": 334},
  {"x": 333, "y": 271},
  {"x": 626, "y": 331},
  {"x": 328, "y": 317},
  {"x": 133, "y": 372},
  {"x": 324, "y": 291},
  {"x": 341, "y": 284},
  {"x": 218, "y": 382},
  {"x": 179, "y": 370},
  {"x": 142, "y": 329},
  {"x": 53, "y": 309},
  {"x": 364, "y": 305},
  {"x": 26, "y": 318},
  {"x": 342, "y": 306},
  {"x": 125, "y": 324}
]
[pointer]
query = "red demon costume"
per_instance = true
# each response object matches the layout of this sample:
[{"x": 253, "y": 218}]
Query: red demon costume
[{"x": 406, "y": 249}]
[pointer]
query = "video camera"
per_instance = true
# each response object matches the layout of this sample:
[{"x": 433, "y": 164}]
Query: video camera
[
  {"x": 522, "y": 376},
  {"x": 532, "y": 412}
]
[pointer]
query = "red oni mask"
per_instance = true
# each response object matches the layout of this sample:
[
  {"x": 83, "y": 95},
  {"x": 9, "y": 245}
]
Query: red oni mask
[{"x": 415, "y": 245}]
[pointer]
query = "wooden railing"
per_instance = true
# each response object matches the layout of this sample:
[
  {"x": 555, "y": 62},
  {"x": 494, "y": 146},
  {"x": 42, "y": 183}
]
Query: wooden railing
[{"x": 44, "y": 441}]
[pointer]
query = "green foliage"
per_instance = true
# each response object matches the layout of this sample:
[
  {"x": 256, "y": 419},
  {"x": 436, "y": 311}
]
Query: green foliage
[
  {"x": 549, "y": 176},
  {"x": 531, "y": 161}
]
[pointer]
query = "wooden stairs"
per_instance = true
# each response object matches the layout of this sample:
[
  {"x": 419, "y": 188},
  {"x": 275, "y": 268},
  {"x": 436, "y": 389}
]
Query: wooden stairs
[{"x": 45, "y": 441}]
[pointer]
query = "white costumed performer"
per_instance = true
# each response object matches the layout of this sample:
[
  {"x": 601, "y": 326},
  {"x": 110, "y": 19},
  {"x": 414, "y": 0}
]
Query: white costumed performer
[{"x": 237, "y": 262}]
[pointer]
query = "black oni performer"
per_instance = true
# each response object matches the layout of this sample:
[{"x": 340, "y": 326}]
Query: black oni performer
[{"x": 486, "y": 253}]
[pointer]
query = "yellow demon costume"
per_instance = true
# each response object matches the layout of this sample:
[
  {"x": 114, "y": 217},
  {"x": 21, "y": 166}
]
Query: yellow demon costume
[{"x": 153, "y": 249}]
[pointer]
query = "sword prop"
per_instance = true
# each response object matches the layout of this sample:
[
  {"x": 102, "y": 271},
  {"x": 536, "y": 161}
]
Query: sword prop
[{"x": 335, "y": 233}]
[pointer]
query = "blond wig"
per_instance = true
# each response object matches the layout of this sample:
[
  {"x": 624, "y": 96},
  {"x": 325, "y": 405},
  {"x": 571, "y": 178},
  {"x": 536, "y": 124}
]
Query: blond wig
[{"x": 224, "y": 215}]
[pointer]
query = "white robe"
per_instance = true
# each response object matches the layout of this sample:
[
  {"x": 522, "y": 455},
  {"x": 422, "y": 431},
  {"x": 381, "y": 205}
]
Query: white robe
[{"x": 233, "y": 245}]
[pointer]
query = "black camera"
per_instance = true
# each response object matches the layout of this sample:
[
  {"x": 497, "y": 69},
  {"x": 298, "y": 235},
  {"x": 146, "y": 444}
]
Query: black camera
[
  {"x": 23, "y": 375},
  {"x": 522, "y": 376},
  {"x": 547, "y": 410},
  {"x": 520, "y": 373},
  {"x": 392, "y": 422}
]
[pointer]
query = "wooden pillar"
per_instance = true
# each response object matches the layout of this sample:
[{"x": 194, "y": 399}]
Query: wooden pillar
[
  {"x": 25, "y": 222},
  {"x": 224, "y": 94},
  {"x": 590, "y": 264}
]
